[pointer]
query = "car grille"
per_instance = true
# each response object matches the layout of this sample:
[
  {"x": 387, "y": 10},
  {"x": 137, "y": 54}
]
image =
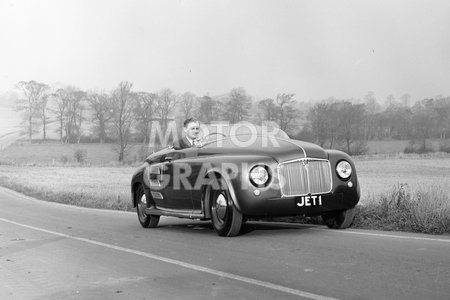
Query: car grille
[{"x": 305, "y": 176}]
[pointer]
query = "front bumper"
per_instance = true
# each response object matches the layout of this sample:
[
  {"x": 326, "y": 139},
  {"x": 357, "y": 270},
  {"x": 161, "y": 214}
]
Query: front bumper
[{"x": 305, "y": 205}]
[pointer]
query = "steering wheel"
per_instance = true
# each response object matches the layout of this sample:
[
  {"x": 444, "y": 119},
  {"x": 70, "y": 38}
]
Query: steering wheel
[{"x": 214, "y": 133}]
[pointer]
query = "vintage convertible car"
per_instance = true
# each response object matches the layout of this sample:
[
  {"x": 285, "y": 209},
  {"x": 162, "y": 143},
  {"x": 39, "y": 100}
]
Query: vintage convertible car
[{"x": 239, "y": 174}]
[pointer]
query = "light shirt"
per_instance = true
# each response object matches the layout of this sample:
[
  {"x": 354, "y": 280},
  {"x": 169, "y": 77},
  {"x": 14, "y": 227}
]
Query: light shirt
[{"x": 196, "y": 143}]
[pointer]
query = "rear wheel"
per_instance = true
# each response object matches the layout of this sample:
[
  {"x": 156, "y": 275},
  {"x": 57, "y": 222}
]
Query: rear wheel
[
  {"x": 147, "y": 221},
  {"x": 225, "y": 217},
  {"x": 339, "y": 220}
]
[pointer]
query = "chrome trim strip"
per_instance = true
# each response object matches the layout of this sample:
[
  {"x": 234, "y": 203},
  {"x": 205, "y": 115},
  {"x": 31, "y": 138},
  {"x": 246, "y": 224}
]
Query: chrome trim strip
[
  {"x": 303, "y": 160},
  {"x": 307, "y": 174},
  {"x": 174, "y": 213},
  {"x": 292, "y": 143}
]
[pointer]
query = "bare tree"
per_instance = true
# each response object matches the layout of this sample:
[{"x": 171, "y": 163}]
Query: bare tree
[
  {"x": 122, "y": 119},
  {"x": 405, "y": 99},
  {"x": 101, "y": 105},
  {"x": 74, "y": 114},
  {"x": 61, "y": 102},
  {"x": 340, "y": 123},
  {"x": 34, "y": 92},
  {"x": 395, "y": 122},
  {"x": 390, "y": 100},
  {"x": 373, "y": 108},
  {"x": 167, "y": 101},
  {"x": 442, "y": 108},
  {"x": 146, "y": 105},
  {"x": 188, "y": 102},
  {"x": 350, "y": 128},
  {"x": 209, "y": 109},
  {"x": 238, "y": 105},
  {"x": 319, "y": 118},
  {"x": 42, "y": 107},
  {"x": 424, "y": 119},
  {"x": 372, "y": 105},
  {"x": 267, "y": 110},
  {"x": 286, "y": 110}
]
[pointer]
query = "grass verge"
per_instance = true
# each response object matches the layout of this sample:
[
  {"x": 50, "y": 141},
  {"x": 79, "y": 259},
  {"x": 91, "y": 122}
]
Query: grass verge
[
  {"x": 421, "y": 209},
  {"x": 72, "y": 198},
  {"x": 93, "y": 187}
]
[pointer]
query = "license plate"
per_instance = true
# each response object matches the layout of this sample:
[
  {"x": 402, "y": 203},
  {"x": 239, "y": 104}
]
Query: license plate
[{"x": 303, "y": 201}]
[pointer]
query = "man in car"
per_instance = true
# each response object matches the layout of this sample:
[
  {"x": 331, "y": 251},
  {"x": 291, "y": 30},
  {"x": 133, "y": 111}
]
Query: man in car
[{"x": 192, "y": 134}]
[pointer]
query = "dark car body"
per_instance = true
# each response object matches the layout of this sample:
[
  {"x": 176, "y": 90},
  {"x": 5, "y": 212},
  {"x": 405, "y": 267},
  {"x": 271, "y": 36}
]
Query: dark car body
[{"x": 302, "y": 180}]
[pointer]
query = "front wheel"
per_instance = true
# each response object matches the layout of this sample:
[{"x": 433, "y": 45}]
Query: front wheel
[
  {"x": 147, "y": 221},
  {"x": 225, "y": 217},
  {"x": 339, "y": 220}
]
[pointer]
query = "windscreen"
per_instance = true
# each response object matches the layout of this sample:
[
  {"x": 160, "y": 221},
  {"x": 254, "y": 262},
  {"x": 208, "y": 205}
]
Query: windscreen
[{"x": 215, "y": 131}]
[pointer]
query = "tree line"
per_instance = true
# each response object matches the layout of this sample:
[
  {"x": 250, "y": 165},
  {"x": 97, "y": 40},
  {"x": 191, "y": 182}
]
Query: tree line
[
  {"x": 124, "y": 116},
  {"x": 348, "y": 125}
]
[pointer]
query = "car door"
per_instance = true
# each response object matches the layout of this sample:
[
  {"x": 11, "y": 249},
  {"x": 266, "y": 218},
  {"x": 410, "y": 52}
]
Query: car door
[
  {"x": 181, "y": 173},
  {"x": 177, "y": 169}
]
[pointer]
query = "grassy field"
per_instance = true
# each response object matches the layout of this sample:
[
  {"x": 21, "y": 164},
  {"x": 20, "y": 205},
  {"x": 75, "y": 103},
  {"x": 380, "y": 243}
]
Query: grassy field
[
  {"x": 384, "y": 147},
  {"x": 384, "y": 179},
  {"x": 377, "y": 175},
  {"x": 55, "y": 153}
]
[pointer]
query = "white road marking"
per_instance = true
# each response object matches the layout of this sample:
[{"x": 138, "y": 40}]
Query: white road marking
[
  {"x": 181, "y": 264},
  {"x": 387, "y": 235},
  {"x": 362, "y": 232}
]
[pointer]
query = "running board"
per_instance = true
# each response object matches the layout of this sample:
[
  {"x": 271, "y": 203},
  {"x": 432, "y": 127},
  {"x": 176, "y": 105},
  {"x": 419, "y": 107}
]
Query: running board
[{"x": 178, "y": 214}]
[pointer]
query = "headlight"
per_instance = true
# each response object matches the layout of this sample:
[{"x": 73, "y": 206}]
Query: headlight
[
  {"x": 344, "y": 169},
  {"x": 259, "y": 176}
]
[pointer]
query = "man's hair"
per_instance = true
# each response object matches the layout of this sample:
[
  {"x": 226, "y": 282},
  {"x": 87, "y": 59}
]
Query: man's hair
[{"x": 190, "y": 120}]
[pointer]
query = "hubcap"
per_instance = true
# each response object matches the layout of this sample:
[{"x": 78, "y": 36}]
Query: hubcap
[
  {"x": 221, "y": 207},
  {"x": 143, "y": 199},
  {"x": 142, "y": 206}
]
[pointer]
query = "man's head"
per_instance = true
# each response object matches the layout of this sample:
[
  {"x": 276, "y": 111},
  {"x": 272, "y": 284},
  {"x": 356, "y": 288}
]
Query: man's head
[{"x": 192, "y": 128}]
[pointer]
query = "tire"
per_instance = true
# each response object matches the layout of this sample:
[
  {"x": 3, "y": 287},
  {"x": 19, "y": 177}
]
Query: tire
[
  {"x": 146, "y": 221},
  {"x": 226, "y": 219},
  {"x": 339, "y": 220}
]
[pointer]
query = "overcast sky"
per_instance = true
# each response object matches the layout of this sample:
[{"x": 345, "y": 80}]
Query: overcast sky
[{"x": 315, "y": 49}]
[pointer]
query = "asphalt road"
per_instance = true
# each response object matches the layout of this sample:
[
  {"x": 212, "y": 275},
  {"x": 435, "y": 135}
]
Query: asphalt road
[{"x": 53, "y": 251}]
